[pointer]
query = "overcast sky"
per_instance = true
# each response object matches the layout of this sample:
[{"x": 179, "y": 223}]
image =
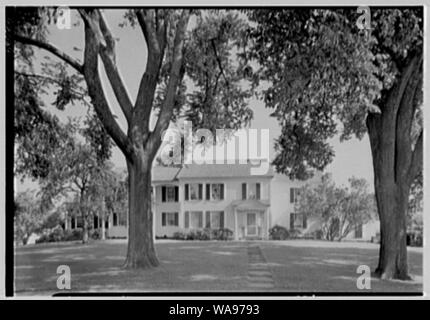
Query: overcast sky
[{"x": 352, "y": 158}]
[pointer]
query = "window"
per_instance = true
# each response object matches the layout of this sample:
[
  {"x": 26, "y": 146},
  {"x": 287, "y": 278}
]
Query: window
[
  {"x": 170, "y": 219},
  {"x": 298, "y": 220},
  {"x": 193, "y": 191},
  {"x": 214, "y": 219},
  {"x": 193, "y": 219},
  {"x": 358, "y": 231},
  {"x": 294, "y": 195},
  {"x": 244, "y": 191},
  {"x": 251, "y": 191},
  {"x": 96, "y": 222},
  {"x": 217, "y": 191},
  {"x": 115, "y": 219},
  {"x": 169, "y": 194}
]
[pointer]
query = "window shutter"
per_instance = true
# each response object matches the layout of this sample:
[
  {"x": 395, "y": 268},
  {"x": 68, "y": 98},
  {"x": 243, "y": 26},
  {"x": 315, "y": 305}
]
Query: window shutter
[
  {"x": 221, "y": 220},
  {"x": 176, "y": 193},
  {"x": 200, "y": 191},
  {"x": 163, "y": 194},
  {"x": 201, "y": 218},
  {"x": 222, "y": 191},
  {"x": 257, "y": 190},
  {"x": 177, "y": 219},
  {"x": 163, "y": 219},
  {"x": 208, "y": 191},
  {"x": 243, "y": 191},
  {"x": 291, "y": 221},
  {"x": 186, "y": 191},
  {"x": 291, "y": 195},
  {"x": 187, "y": 220},
  {"x": 208, "y": 219},
  {"x": 305, "y": 222}
]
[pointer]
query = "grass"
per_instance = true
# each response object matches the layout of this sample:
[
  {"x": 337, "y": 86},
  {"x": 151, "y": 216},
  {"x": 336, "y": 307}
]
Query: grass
[
  {"x": 332, "y": 266},
  {"x": 204, "y": 266}
]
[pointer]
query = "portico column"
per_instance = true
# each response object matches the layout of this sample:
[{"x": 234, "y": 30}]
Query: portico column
[
  {"x": 66, "y": 222},
  {"x": 236, "y": 233}
]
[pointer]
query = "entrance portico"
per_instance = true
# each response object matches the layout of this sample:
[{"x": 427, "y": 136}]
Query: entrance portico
[{"x": 251, "y": 220}]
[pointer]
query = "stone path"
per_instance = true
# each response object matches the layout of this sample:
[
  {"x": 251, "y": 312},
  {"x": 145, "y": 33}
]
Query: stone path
[{"x": 259, "y": 274}]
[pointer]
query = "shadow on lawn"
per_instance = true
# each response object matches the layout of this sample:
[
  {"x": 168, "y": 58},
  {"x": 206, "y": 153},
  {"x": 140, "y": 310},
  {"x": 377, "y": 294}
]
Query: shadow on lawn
[{"x": 316, "y": 269}]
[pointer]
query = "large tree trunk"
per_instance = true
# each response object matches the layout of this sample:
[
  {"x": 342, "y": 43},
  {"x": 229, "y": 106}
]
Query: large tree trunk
[
  {"x": 392, "y": 202},
  {"x": 396, "y": 161},
  {"x": 141, "y": 251}
]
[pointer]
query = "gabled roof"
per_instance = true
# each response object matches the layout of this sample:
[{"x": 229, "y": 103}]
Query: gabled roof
[
  {"x": 219, "y": 171},
  {"x": 250, "y": 204}
]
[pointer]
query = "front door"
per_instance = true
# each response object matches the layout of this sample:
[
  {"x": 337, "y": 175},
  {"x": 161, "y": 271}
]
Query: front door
[{"x": 251, "y": 224}]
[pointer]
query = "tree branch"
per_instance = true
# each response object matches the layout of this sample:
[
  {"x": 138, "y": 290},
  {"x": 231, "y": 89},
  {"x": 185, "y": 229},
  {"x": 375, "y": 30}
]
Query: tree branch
[
  {"x": 146, "y": 21},
  {"x": 52, "y": 49},
  {"x": 404, "y": 119},
  {"x": 51, "y": 80},
  {"x": 156, "y": 42},
  {"x": 417, "y": 158},
  {"x": 95, "y": 88},
  {"x": 107, "y": 54},
  {"x": 167, "y": 106}
]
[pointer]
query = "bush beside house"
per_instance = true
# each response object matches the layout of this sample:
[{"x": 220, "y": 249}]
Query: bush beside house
[{"x": 205, "y": 234}]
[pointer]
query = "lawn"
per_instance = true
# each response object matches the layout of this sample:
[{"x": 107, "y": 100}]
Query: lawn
[{"x": 205, "y": 266}]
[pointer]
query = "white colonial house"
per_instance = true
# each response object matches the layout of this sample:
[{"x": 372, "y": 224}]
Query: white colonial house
[{"x": 216, "y": 196}]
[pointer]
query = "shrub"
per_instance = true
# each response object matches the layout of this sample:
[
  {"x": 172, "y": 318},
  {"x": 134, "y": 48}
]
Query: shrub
[
  {"x": 190, "y": 236},
  {"x": 73, "y": 235},
  {"x": 222, "y": 234},
  {"x": 279, "y": 233},
  {"x": 179, "y": 236},
  {"x": 294, "y": 234},
  {"x": 43, "y": 238},
  {"x": 58, "y": 234},
  {"x": 95, "y": 234}
]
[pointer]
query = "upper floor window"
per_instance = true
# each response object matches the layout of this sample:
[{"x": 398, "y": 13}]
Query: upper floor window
[
  {"x": 193, "y": 191},
  {"x": 169, "y": 194},
  {"x": 215, "y": 191},
  {"x": 294, "y": 195},
  {"x": 251, "y": 191}
]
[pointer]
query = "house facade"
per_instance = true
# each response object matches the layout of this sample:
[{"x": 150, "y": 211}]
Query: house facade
[{"x": 215, "y": 196}]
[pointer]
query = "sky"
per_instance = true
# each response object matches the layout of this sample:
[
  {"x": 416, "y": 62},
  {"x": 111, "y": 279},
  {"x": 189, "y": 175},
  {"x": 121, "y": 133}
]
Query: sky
[{"x": 352, "y": 158}]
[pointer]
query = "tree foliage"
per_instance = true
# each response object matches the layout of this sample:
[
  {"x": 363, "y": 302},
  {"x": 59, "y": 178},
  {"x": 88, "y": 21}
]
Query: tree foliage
[
  {"x": 338, "y": 209},
  {"x": 326, "y": 75},
  {"x": 28, "y": 215}
]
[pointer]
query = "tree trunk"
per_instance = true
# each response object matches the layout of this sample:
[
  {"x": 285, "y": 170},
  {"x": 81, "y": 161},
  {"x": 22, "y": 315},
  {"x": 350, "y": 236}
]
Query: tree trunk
[
  {"x": 103, "y": 230},
  {"x": 84, "y": 228},
  {"x": 392, "y": 201},
  {"x": 397, "y": 160},
  {"x": 141, "y": 251},
  {"x": 392, "y": 192},
  {"x": 83, "y": 209}
]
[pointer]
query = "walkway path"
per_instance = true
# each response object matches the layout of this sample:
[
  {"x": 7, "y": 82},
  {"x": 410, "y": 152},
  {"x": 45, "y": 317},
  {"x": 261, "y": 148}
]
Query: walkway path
[{"x": 259, "y": 274}]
